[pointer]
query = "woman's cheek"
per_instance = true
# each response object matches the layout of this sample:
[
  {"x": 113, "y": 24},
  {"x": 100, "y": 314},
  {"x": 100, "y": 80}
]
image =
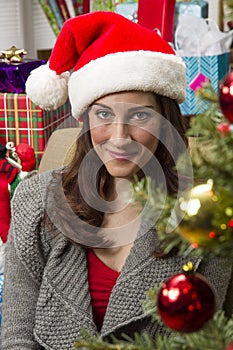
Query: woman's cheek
[
  {"x": 146, "y": 138},
  {"x": 98, "y": 135}
]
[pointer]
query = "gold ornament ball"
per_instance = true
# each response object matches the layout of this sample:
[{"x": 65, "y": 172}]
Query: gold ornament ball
[{"x": 196, "y": 212}]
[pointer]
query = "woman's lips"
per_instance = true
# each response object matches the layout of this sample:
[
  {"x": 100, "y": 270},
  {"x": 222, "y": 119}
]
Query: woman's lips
[{"x": 122, "y": 155}]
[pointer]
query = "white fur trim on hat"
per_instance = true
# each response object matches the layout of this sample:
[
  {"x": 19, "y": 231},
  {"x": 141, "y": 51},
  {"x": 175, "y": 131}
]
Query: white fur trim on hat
[
  {"x": 47, "y": 89},
  {"x": 156, "y": 72}
]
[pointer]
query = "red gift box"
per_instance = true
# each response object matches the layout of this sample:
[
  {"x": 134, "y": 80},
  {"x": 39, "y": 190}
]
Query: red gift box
[
  {"x": 158, "y": 14},
  {"x": 21, "y": 121}
]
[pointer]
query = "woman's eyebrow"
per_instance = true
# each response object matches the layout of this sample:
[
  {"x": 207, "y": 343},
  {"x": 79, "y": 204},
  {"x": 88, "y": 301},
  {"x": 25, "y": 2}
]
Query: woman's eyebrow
[
  {"x": 140, "y": 107},
  {"x": 132, "y": 109},
  {"x": 101, "y": 105}
]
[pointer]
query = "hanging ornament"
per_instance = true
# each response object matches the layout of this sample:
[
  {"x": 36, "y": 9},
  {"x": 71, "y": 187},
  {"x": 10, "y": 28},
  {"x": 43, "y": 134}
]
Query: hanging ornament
[
  {"x": 226, "y": 96},
  {"x": 225, "y": 128},
  {"x": 230, "y": 347},
  {"x": 186, "y": 301},
  {"x": 205, "y": 216},
  {"x": 230, "y": 223}
]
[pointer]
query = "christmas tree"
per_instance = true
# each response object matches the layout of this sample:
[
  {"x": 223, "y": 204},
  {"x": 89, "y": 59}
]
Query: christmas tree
[{"x": 205, "y": 227}]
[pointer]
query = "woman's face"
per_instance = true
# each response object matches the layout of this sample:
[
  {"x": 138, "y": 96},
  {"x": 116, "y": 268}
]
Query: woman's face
[{"x": 124, "y": 130}]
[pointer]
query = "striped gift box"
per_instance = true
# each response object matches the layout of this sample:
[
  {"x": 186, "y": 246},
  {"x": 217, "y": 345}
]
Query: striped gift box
[{"x": 21, "y": 121}]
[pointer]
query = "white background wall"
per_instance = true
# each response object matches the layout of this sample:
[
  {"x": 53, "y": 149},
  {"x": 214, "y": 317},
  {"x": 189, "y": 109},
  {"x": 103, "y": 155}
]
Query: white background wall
[{"x": 23, "y": 24}]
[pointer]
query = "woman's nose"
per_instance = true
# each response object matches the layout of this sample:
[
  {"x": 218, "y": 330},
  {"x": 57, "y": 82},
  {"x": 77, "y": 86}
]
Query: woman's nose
[{"x": 120, "y": 131}]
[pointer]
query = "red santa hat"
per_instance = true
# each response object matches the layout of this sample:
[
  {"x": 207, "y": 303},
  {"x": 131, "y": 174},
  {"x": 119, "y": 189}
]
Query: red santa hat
[{"x": 107, "y": 53}]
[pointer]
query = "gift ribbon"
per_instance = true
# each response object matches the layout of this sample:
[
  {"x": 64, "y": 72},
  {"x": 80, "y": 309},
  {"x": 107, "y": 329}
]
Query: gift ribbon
[
  {"x": 16, "y": 118},
  {"x": 29, "y": 120},
  {"x": 5, "y": 116}
]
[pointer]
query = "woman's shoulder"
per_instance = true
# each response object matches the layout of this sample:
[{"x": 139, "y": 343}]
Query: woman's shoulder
[
  {"x": 28, "y": 234},
  {"x": 28, "y": 205},
  {"x": 32, "y": 190}
]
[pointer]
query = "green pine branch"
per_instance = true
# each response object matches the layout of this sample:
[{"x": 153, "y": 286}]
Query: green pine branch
[
  {"x": 212, "y": 158},
  {"x": 217, "y": 334},
  {"x": 139, "y": 342},
  {"x": 213, "y": 154},
  {"x": 160, "y": 207}
]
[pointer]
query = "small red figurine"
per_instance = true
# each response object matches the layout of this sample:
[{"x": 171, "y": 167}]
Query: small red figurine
[
  {"x": 27, "y": 157},
  {"x": 11, "y": 173},
  {"x": 8, "y": 174}
]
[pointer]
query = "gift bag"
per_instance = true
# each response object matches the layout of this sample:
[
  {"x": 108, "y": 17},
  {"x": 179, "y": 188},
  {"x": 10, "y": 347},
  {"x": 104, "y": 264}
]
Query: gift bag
[
  {"x": 206, "y": 53},
  {"x": 200, "y": 69}
]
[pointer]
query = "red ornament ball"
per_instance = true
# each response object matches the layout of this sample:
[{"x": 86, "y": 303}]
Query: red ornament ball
[
  {"x": 230, "y": 347},
  {"x": 226, "y": 96},
  {"x": 186, "y": 302},
  {"x": 224, "y": 128}
]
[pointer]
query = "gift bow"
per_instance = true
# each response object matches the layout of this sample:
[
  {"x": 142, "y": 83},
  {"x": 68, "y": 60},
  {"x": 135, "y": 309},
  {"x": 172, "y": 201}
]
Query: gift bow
[{"x": 13, "y": 55}]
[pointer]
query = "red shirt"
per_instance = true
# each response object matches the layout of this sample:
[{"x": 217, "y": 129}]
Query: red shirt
[{"x": 101, "y": 280}]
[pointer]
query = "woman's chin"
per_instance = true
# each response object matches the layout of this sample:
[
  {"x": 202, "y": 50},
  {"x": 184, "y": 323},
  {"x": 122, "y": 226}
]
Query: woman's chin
[{"x": 125, "y": 169}]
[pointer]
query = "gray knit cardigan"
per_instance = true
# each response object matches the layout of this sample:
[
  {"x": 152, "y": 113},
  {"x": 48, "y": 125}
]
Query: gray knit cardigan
[{"x": 46, "y": 300}]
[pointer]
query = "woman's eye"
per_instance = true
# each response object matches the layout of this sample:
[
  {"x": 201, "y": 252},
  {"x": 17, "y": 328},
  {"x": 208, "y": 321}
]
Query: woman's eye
[
  {"x": 140, "y": 116},
  {"x": 104, "y": 115}
]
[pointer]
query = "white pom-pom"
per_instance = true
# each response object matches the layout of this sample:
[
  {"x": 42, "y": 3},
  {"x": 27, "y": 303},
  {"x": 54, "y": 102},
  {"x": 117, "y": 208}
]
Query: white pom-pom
[{"x": 47, "y": 89}]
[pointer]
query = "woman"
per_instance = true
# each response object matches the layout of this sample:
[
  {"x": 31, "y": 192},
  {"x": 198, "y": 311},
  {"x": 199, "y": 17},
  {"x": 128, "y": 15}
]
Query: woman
[{"x": 79, "y": 254}]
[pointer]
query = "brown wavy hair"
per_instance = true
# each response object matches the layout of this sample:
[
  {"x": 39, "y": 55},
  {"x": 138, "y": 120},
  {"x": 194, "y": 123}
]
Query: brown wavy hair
[{"x": 72, "y": 176}]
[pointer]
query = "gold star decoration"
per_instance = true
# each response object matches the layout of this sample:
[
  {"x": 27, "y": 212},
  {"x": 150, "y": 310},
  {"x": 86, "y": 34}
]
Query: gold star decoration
[{"x": 12, "y": 55}]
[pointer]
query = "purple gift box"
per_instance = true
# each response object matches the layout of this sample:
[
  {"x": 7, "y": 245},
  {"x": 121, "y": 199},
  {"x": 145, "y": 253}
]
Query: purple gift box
[{"x": 14, "y": 75}]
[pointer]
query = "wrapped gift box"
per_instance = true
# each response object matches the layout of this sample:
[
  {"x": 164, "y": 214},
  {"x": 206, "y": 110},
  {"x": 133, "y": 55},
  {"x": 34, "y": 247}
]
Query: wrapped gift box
[
  {"x": 14, "y": 75},
  {"x": 197, "y": 8},
  {"x": 21, "y": 121},
  {"x": 128, "y": 9},
  {"x": 158, "y": 15}
]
